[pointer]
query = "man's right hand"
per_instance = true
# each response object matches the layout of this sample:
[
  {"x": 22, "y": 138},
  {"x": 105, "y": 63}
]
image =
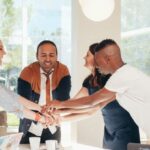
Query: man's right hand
[{"x": 55, "y": 104}]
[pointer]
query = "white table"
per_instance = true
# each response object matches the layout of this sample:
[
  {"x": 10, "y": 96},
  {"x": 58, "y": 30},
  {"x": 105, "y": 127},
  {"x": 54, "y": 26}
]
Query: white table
[{"x": 72, "y": 147}]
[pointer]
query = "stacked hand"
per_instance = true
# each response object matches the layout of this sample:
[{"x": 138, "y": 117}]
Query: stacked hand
[
  {"x": 50, "y": 116},
  {"x": 45, "y": 121},
  {"x": 52, "y": 106}
]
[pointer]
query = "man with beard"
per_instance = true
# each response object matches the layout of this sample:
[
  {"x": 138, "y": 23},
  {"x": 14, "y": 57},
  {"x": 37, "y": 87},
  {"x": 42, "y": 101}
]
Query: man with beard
[{"x": 41, "y": 82}]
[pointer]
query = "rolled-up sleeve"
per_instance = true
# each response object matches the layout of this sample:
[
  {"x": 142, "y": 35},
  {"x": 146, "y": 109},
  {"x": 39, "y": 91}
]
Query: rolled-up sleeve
[{"x": 9, "y": 101}]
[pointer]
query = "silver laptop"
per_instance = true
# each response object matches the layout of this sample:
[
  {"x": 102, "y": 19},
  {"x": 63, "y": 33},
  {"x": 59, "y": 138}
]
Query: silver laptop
[
  {"x": 137, "y": 146},
  {"x": 10, "y": 142}
]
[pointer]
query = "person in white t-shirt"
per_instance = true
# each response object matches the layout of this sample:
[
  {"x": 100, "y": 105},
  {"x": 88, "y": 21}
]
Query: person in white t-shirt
[{"x": 127, "y": 84}]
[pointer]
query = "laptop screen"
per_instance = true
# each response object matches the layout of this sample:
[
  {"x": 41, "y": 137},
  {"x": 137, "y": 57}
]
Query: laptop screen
[{"x": 10, "y": 141}]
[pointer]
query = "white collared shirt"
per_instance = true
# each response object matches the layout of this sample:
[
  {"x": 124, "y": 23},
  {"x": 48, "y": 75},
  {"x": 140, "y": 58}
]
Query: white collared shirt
[{"x": 42, "y": 101}]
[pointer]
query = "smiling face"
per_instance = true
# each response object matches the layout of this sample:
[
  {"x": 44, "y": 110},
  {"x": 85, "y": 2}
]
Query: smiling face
[
  {"x": 89, "y": 60},
  {"x": 47, "y": 56},
  {"x": 2, "y": 52}
]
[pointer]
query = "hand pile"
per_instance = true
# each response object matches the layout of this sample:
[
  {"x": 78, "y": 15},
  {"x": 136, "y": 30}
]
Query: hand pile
[{"x": 49, "y": 115}]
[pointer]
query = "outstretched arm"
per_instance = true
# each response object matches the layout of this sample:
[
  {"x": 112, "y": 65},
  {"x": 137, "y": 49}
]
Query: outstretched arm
[
  {"x": 81, "y": 93},
  {"x": 66, "y": 111},
  {"x": 88, "y": 101},
  {"x": 32, "y": 115},
  {"x": 66, "y": 115},
  {"x": 74, "y": 114},
  {"x": 20, "y": 106},
  {"x": 77, "y": 114},
  {"x": 28, "y": 104},
  {"x": 12, "y": 102}
]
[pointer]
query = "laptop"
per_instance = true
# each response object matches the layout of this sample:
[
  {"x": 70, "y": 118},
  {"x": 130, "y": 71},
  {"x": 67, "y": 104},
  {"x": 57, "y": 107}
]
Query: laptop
[
  {"x": 137, "y": 146},
  {"x": 10, "y": 142}
]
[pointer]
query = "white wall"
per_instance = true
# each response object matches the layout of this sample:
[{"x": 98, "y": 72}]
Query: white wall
[{"x": 84, "y": 33}]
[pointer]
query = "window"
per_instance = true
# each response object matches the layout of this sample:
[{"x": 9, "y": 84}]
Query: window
[
  {"x": 24, "y": 23},
  {"x": 135, "y": 28},
  {"x": 135, "y": 34}
]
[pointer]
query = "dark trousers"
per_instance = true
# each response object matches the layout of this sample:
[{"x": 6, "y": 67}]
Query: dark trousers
[{"x": 46, "y": 135}]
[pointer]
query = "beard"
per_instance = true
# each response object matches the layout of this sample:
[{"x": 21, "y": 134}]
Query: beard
[
  {"x": 47, "y": 68},
  {"x": 102, "y": 72}
]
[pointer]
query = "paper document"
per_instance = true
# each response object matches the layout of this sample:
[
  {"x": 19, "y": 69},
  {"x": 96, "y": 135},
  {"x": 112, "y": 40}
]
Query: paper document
[
  {"x": 52, "y": 129},
  {"x": 36, "y": 129}
]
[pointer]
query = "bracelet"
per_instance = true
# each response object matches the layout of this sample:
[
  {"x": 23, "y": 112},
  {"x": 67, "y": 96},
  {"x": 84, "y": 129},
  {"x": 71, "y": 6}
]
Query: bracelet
[{"x": 37, "y": 117}]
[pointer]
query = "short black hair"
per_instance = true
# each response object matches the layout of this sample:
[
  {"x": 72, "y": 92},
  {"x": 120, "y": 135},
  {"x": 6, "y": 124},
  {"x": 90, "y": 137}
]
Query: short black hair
[
  {"x": 104, "y": 44},
  {"x": 46, "y": 42}
]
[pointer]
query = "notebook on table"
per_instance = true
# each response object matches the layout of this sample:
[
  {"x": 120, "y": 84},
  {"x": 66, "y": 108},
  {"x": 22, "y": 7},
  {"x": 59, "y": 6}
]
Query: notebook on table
[{"x": 10, "y": 142}]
